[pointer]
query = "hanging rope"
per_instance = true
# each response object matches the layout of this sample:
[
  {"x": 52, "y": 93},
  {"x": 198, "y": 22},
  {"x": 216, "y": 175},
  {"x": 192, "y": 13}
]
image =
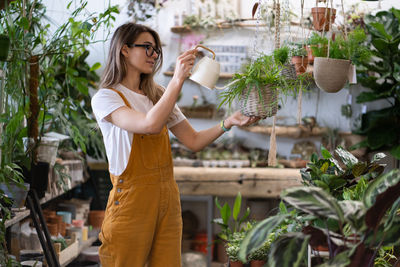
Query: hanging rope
[
  {"x": 272, "y": 141},
  {"x": 300, "y": 97}
]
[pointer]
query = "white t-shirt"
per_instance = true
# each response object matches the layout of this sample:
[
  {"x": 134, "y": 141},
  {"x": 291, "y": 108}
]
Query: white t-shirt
[{"x": 117, "y": 141}]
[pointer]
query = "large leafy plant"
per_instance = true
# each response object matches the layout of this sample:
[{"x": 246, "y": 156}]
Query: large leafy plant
[
  {"x": 373, "y": 224},
  {"x": 341, "y": 174},
  {"x": 382, "y": 77}
]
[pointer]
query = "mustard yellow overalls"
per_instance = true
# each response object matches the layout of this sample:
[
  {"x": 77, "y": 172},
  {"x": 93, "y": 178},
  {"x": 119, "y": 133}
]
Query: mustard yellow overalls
[{"x": 143, "y": 222}]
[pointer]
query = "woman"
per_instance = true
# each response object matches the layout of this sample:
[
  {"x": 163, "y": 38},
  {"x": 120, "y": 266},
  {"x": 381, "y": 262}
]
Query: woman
[{"x": 143, "y": 218}]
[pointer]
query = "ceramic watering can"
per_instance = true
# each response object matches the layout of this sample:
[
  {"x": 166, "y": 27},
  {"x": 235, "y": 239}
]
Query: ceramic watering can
[{"x": 206, "y": 71}]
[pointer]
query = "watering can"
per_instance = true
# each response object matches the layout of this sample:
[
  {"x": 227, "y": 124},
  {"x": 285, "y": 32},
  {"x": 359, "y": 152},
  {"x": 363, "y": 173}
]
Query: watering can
[{"x": 206, "y": 72}]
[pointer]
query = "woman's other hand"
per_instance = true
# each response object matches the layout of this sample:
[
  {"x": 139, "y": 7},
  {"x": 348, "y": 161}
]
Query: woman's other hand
[
  {"x": 184, "y": 64},
  {"x": 238, "y": 119}
]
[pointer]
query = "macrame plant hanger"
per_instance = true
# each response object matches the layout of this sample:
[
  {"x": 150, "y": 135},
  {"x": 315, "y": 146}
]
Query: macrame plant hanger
[
  {"x": 300, "y": 97},
  {"x": 272, "y": 141}
]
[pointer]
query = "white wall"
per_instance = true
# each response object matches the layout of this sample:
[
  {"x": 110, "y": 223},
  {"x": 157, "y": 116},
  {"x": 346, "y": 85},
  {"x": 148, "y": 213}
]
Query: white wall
[{"x": 328, "y": 113}]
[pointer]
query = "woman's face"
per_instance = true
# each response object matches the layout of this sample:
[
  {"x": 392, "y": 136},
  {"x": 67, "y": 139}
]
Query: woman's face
[{"x": 142, "y": 54}]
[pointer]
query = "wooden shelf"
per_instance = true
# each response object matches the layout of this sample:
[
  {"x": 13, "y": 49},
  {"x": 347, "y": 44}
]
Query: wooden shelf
[
  {"x": 226, "y": 182},
  {"x": 221, "y": 75},
  {"x": 288, "y": 131},
  {"x": 20, "y": 215},
  {"x": 85, "y": 244}
]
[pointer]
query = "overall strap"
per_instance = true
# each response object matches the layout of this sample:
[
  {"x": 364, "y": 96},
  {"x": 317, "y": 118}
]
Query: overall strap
[{"x": 122, "y": 96}]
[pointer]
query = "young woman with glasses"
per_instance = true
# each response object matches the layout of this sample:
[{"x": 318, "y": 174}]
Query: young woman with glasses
[{"x": 143, "y": 221}]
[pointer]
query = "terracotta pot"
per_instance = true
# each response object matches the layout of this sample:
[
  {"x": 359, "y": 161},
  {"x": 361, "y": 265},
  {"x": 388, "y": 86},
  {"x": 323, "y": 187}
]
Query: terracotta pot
[
  {"x": 300, "y": 64},
  {"x": 310, "y": 56},
  {"x": 257, "y": 263},
  {"x": 235, "y": 264},
  {"x": 96, "y": 218},
  {"x": 321, "y": 248},
  {"x": 53, "y": 229},
  {"x": 320, "y": 22}
]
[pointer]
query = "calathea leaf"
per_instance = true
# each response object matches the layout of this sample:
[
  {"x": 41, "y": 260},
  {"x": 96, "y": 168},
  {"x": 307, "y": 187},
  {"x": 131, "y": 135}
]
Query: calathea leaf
[
  {"x": 354, "y": 212},
  {"x": 389, "y": 236},
  {"x": 382, "y": 195},
  {"x": 258, "y": 235},
  {"x": 289, "y": 250},
  {"x": 313, "y": 200},
  {"x": 340, "y": 260},
  {"x": 348, "y": 159}
]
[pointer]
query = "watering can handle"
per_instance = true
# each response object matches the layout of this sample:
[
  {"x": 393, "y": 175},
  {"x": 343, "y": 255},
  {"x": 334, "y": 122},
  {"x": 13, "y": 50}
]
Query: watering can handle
[{"x": 206, "y": 48}]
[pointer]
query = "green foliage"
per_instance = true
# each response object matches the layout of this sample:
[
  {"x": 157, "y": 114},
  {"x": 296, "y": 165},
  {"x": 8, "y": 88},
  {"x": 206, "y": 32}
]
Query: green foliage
[
  {"x": 289, "y": 250},
  {"x": 263, "y": 71},
  {"x": 381, "y": 76},
  {"x": 319, "y": 45},
  {"x": 281, "y": 55},
  {"x": 298, "y": 51},
  {"x": 344, "y": 181},
  {"x": 233, "y": 246},
  {"x": 230, "y": 225}
]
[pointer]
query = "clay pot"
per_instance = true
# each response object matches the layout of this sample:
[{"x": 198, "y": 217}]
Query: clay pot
[
  {"x": 235, "y": 264},
  {"x": 310, "y": 56},
  {"x": 321, "y": 22},
  {"x": 53, "y": 229},
  {"x": 300, "y": 64},
  {"x": 257, "y": 263},
  {"x": 96, "y": 218}
]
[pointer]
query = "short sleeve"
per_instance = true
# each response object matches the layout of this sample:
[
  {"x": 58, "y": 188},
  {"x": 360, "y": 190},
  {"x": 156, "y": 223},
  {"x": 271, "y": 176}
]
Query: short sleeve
[
  {"x": 175, "y": 117},
  {"x": 104, "y": 102}
]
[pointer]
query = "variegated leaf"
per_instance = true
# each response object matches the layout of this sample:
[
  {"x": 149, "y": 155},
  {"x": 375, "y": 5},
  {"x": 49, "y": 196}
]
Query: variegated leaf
[
  {"x": 289, "y": 250},
  {"x": 258, "y": 235},
  {"x": 380, "y": 185},
  {"x": 313, "y": 200},
  {"x": 353, "y": 212},
  {"x": 347, "y": 158}
]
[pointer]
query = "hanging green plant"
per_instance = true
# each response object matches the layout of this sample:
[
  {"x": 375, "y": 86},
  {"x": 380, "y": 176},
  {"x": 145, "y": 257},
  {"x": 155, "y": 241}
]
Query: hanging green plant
[{"x": 4, "y": 47}]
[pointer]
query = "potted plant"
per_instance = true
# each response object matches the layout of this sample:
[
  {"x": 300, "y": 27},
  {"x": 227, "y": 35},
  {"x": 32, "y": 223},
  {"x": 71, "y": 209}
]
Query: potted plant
[
  {"x": 258, "y": 87},
  {"x": 332, "y": 72},
  {"x": 259, "y": 257},
  {"x": 299, "y": 59},
  {"x": 232, "y": 249},
  {"x": 281, "y": 56},
  {"x": 323, "y": 17}
]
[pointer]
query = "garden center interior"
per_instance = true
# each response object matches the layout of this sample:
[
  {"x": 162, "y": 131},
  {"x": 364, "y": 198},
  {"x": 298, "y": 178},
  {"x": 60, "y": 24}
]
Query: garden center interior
[{"x": 284, "y": 133}]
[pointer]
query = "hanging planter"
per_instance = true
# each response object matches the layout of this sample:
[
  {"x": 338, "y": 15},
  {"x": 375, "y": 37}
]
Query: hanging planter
[
  {"x": 321, "y": 17},
  {"x": 260, "y": 103},
  {"x": 331, "y": 74},
  {"x": 4, "y": 47},
  {"x": 289, "y": 71}
]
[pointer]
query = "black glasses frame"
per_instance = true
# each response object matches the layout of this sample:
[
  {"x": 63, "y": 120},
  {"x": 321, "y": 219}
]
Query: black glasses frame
[{"x": 147, "y": 47}]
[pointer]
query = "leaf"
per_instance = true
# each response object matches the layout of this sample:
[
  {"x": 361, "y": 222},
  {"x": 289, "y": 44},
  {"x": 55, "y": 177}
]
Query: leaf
[
  {"x": 217, "y": 203},
  {"x": 324, "y": 167},
  {"x": 322, "y": 185},
  {"x": 259, "y": 234},
  {"x": 95, "y": 66},
  {"x": 392, "y": 214},
  {"x": 289, "y": 250},
  {"x": 348, "y": 159},
  {"x": 381, "y": 29},
  {"x": 395, "y": 151},
  {"x": 381, "y": 193},
  {"x": 359, "y": 168},
  {"x": 236, "y": 206},
  {"x": 353, "y": 212},
  {"x": 325, "y": 153},
  {"x": 315, "y": 201},
  {"x": 389, "y": 235},
  {"x": 340, "y": 260},
  {"x": 377, "y": 157},
  {"x": 253, "y": 12},
  {"x": 225, "y": 213}
]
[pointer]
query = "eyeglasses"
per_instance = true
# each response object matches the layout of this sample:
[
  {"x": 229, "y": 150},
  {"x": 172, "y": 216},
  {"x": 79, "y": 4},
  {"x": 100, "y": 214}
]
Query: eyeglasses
[{"x": 149, "y": 49}]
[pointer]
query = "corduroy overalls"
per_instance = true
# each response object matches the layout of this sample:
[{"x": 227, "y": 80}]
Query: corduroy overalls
[{"x": 143, "y": 222}]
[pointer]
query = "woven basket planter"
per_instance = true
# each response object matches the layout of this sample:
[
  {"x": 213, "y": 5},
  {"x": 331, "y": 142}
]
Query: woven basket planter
[
  {"x": 289, "y": 71},
  {"x": 252, "y": 105},
  {"x": 331, "y": 74}
]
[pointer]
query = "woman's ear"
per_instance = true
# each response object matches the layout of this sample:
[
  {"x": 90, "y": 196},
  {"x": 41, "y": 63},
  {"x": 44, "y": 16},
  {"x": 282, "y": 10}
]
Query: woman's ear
[{"x": 125, "y": 50}]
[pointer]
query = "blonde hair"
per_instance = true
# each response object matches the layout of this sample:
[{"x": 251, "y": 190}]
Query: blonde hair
[{"x": 115, "y": 69}]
